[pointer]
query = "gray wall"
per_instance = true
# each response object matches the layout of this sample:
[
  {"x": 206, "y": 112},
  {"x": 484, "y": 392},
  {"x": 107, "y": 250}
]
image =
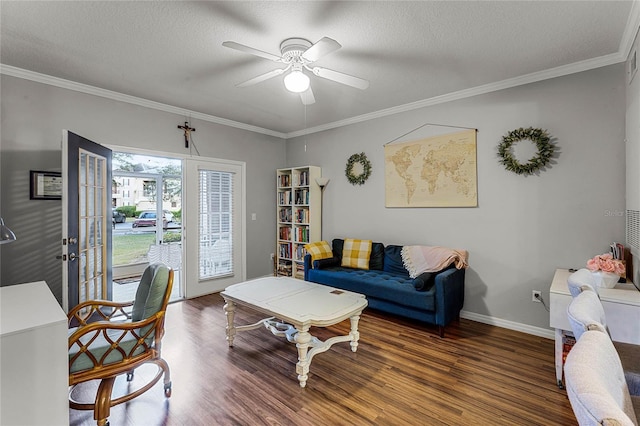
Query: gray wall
[
  {"x": 33, "y": 116},
  {"x": 524, "y": 227}
]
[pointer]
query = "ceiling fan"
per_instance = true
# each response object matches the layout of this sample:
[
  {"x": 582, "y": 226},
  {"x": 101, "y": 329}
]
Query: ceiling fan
[{"x": 297, "y": 54}]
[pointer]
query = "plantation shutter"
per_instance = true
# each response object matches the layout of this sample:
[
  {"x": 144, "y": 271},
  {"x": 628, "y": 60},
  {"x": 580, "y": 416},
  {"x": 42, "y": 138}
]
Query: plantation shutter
[{"x": 215, "y": 221}]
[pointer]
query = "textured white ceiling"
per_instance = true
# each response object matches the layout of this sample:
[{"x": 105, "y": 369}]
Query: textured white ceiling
[{"x": 171, "y": 51}]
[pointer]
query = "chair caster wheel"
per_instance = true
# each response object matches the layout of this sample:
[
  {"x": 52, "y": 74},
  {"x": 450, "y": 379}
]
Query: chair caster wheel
[
  {"x": 167, "y": 390},
  {"x": 129, "y": 377}
]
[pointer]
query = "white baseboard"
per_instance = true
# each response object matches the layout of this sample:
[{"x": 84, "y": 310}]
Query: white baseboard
[{"x": 511, "y": 325}]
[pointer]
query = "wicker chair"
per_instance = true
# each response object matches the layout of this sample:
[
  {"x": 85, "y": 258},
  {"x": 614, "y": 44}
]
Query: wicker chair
[{"x": 107, "y": 339}]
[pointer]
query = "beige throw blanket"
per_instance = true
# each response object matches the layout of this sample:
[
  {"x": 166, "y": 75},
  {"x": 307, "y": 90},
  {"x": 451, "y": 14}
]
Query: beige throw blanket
[{"x": 419, "y": 259}]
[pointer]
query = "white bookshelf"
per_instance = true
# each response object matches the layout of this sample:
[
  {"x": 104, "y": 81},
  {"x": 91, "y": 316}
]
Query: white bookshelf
[{"x": 299, "y": 217}]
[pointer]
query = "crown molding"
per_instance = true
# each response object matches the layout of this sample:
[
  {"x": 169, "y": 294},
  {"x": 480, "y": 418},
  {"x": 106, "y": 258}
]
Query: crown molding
[
  {"x": 630, "y": 31},
  {"x": 576, "y": 67},
  {"x": 116, "y": 96}
]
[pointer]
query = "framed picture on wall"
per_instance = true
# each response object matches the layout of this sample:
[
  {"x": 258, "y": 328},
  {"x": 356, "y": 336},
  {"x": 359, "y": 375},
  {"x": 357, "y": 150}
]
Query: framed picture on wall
[{"x": 45, "y": 185}]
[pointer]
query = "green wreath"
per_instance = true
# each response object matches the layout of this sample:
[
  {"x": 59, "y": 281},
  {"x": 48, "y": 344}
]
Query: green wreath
[
  {"x": 538, "y": 136},
  {"x": 366, "y": 169}
]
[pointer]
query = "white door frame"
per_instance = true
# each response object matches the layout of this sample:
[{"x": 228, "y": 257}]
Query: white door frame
[
  {"x": 195, "y": 287},
  {"x": 188, "y": 259}
]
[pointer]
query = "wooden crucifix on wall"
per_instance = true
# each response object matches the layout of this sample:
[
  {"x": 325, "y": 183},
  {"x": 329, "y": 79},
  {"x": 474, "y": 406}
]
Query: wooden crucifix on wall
[{"x": 187, "y": 133}]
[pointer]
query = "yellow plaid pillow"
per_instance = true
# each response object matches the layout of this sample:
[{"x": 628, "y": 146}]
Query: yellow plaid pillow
[
  {"x": 356, "y": 253},
  {"x": 319, "y": 250}
]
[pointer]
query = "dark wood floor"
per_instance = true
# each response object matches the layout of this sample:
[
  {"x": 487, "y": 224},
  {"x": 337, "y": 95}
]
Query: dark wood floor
[{"x": 402, "y": 374}]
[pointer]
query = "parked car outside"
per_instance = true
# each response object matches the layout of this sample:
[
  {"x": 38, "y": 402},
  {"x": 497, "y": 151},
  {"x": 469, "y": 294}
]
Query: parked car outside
[
  {"x": 119, "y": 217},
  {"x": 148, "y": 218}
]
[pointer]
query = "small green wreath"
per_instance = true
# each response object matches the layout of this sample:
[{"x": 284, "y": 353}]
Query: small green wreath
[
  {"x": 366, "y": 169},
  {"x": 538, "y": 136}
]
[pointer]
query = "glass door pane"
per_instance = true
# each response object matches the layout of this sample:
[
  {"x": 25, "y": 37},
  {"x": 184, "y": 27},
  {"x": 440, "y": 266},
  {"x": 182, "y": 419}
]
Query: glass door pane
[{"x": 92, "y": 247}]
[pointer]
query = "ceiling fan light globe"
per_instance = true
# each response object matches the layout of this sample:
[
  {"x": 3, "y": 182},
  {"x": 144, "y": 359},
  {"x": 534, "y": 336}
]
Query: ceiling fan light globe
[{"x": 296, "y": 82}]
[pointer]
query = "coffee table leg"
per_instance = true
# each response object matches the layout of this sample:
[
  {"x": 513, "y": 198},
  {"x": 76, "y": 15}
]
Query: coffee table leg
[
  {"x": 303, "y": 337},
  {"x": 355, "y": 335},
  {"x": 229, "y": 311}
]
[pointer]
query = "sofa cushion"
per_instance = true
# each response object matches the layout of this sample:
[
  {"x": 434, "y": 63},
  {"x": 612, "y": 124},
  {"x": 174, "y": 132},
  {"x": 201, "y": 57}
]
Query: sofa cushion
[
  {"x": 376, "y": 260},
  {"x": 424, "y": 281},
  {"x": 319, "y": 250},
  {"x": 337, "y": 245},
  {"x": 393, "y": 260},
  {"x": 356, "y": 253},
  {"x": 381, "y": 285},
  {"x": 326, "y": 263}
]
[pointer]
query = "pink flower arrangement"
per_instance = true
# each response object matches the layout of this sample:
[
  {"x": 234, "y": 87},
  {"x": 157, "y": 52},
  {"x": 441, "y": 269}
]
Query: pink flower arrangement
[{"x": 605, "y": 262}]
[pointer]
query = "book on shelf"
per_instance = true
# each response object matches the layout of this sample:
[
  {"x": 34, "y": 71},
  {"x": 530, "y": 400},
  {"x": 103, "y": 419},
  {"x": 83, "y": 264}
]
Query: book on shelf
[
  {"x": 300, "y": 252},
  {"x": 302, "y": 216},
  {"x": 285, "y": 215},
  {"x": 304, "y": 178},
  {"x": 302, "y": 234},
  {"x": 284, "y": 250},
  {"x": 284, "y": 197},
  {"x": 284, "y": 269},
  {"x": 284, "y": 180},
  {"x": 285, "y": 233},
  {"x": 302, "y": 196}
]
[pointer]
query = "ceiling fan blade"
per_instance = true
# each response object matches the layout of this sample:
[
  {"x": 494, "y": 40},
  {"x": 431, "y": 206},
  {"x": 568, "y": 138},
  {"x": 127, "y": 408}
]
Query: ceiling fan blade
[
  {"x": 339, "y": 77},
  {"x": 262, "y": 77},
  {"x": 307, "y": 97},
  {"x": 251, "y": 50},
  {"x": 323, "y": 47}
]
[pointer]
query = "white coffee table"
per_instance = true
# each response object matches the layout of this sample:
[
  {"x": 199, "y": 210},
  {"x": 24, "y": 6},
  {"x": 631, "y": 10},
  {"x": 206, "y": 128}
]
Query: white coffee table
[{"x": 293, "y": 307}]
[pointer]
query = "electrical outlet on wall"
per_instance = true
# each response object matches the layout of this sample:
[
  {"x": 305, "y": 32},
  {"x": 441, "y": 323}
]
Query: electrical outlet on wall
[{"x": 536, "y": 296}]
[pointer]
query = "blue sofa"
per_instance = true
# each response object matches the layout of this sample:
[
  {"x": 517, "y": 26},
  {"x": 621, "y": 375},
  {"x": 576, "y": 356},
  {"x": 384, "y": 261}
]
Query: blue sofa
[{"x": 435, "y": 298}]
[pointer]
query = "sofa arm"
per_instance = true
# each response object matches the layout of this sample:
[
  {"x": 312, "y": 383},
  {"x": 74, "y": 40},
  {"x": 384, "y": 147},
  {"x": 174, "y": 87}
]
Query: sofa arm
[
  {"x": 318, "y": 264},
  {"x": 449, "y": 296}
]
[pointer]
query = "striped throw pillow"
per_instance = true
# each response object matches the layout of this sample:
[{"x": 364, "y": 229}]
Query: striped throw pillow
[
  {"x": 319, "y": 250},
  {"x": 356, "y": 253}
]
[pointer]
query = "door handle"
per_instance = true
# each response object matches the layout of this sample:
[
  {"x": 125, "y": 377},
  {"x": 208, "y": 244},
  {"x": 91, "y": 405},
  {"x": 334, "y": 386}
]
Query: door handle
[{"x": 73, "y": 256}]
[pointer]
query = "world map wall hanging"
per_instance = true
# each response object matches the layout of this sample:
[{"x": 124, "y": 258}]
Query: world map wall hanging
[{"x": 438, "y": 171}]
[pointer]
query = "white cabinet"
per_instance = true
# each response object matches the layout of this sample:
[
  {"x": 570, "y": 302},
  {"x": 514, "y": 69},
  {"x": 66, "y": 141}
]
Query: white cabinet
[
  {"x": 33, "y": 357},
  {"x": 298, "y": 215}
]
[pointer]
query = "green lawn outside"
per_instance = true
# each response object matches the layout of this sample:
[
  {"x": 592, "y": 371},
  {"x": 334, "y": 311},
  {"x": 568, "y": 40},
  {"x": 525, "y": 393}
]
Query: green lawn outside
[{"x": 133, "y": 248}]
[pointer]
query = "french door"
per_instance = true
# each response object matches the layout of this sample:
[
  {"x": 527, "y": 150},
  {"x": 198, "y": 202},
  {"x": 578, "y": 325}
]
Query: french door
[
  {"x": 214, "y": 225},
  {"x": 86, "y": 220}
]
